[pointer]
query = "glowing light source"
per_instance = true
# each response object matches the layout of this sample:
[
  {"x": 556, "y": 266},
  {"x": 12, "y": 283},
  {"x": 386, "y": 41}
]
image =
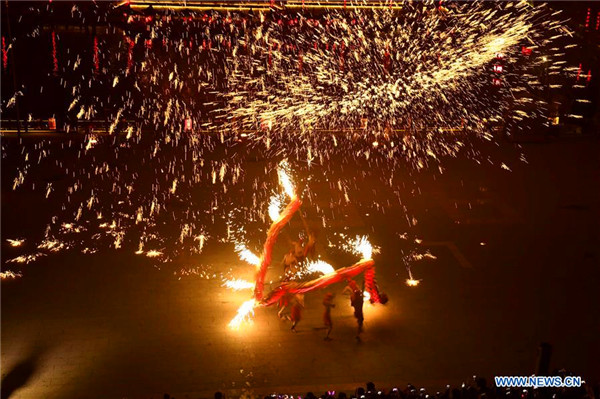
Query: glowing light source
[
  {"x": 320, "y": 266},
  {"x": 284, "y": 179},
  {"x": 238, "y": 284},
  {"x": 412, "y": 282},
  {"x": 9, "y": 275},
  {"x": 363, "y": 247},
  {"x": 17, "y": 242},
  {"x": 92, "y": 141},
  {"x": 244, "y": 313},
  {"x": 246, "y": 255},
  {"x": 153, "y": 253},
  {"x": 274, "y": 207}
]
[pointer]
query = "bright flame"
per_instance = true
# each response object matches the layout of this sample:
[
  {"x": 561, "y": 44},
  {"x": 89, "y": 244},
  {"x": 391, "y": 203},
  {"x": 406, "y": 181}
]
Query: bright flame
[
  {"x": 411, "y": 282},
  {"x": 363, "y": 247},
  {"x": 284, "y": 179},
  {"x": 244, "y": 313},
  {"x": 247, "y": 255},
  {"x": 366, "y": 296},
  {"x": 238, "y": 284},
  {"x": 274, "y": 207},
  {"x": 320, "y": 266}
]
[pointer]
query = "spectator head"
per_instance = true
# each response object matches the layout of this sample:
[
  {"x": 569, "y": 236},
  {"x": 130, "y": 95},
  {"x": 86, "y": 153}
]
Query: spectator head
[
  {"x": 370, "y": 387},
  {"x": 342, "y": 395},
  {"x": 218, "y": 395},
  {"x": 360, "y": 392}
]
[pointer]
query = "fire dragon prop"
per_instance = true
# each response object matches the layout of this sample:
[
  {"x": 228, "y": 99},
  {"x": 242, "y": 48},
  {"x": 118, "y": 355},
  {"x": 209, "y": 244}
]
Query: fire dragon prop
[{"x": 365, "y": 265}]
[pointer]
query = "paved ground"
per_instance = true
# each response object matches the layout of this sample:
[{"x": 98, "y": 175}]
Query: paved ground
[{"x": 517, "y": 265}]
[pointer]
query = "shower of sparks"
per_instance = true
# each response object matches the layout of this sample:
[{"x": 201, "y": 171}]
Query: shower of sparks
[
  {"x": 413, "y": 256},
  {"x": 244, "y": 314},
  {"x": 246, "y": 255},
  {"x": 238, "y": 284},
  {"x": 26, "y": 258},
  {"x": 359, "y": 245},
  {"x": 412, "y": 282},
  {"x": 274, "y": 208},
  {"x": 284, "y": 179},
  {"x": 17, "y": 242},
  {"x": 92, "y": 141},
  {"x": 388, "y": 68},
  {"x": 9, "y": 275},
  {"x": 376, "y": 90},
  {"x": 153, "y": 253},
  {"x": 319, "y": 266},
  {"x": 312, "y": 267},
  {"x": 363, "y": 247}
]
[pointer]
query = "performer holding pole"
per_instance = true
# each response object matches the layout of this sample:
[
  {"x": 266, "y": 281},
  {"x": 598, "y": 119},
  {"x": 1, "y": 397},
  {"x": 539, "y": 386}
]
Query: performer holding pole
[
  {"x": 356, "y": 301},
  {"x": 298, "y": 304}
]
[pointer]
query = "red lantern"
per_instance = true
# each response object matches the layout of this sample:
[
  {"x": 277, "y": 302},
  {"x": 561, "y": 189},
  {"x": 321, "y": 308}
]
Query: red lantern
[{"x": 4, "y": 53}]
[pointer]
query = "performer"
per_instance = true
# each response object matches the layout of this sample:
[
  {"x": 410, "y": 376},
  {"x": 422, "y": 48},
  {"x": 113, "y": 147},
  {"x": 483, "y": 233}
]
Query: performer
[
  {"x": 309, "y": 248},
  {"x": 328, "y": 303},
  {"x": 297, "y": 306},
  {"x": 298, "y": 250},
  {"x": 356, "y": 301},
  {"x": 290, "y": 262},
  {"x": 296, "y": 255},
  {"x": 283, "y": 304}
]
